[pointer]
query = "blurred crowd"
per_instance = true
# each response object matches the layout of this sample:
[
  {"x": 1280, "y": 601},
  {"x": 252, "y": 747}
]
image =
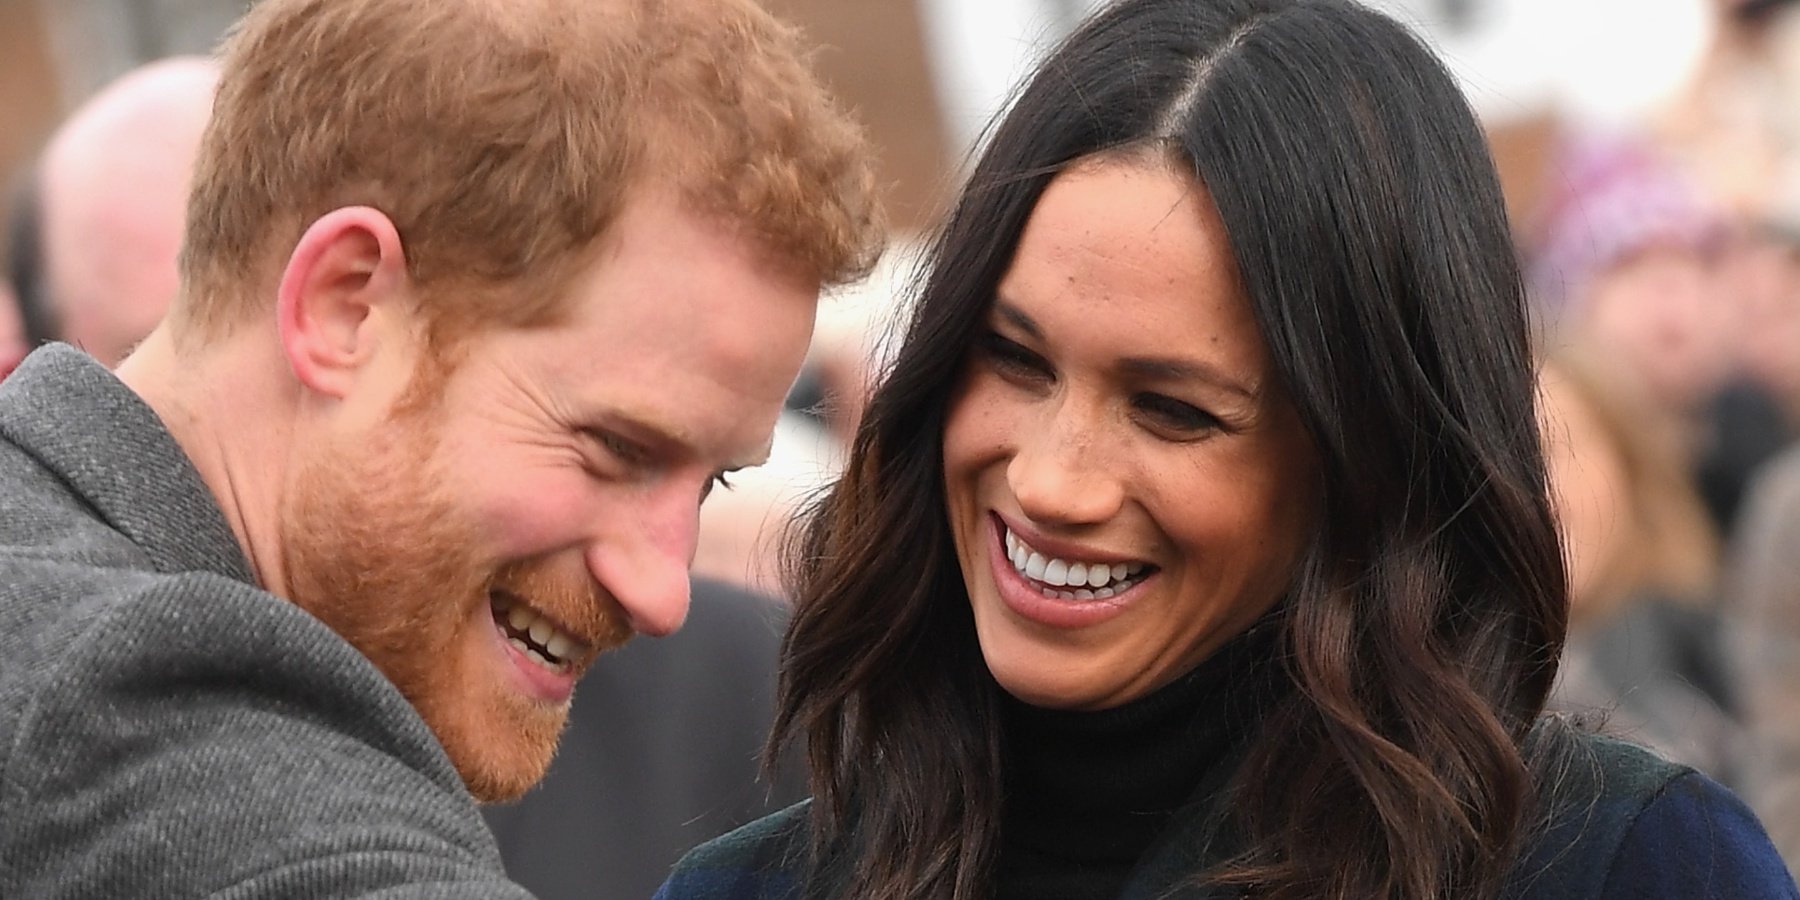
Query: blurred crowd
[{"x": 1664, "y": 264}]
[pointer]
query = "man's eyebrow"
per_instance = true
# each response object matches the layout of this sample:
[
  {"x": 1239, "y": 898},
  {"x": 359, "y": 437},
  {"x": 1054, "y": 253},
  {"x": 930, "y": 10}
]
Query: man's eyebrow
[
  {"x": 645, "y": 430},
  {"x": 666, "y": 440}
]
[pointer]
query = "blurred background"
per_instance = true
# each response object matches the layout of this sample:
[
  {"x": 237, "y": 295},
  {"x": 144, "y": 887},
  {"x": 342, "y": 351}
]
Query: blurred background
[
  {"x": 1650, "y": 155},
  {"x": 928, "y": 74}
]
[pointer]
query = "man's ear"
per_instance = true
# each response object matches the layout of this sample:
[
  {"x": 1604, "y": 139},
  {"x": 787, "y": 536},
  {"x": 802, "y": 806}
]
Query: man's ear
[{"x": 347, "y": 266}]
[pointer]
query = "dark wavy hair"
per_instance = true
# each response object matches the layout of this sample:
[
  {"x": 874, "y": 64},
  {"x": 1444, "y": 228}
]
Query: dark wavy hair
[{"x": 1423, "y": 625}]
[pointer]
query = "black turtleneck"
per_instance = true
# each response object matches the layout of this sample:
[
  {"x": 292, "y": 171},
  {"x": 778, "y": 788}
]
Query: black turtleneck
[{"x": 1088, "y": 792}]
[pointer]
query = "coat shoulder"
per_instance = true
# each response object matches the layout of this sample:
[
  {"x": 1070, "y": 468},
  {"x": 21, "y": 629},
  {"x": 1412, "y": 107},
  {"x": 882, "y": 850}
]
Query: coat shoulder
[
  {"x": 764, "y": 860},
  {"x": 1617, "y": 820}
]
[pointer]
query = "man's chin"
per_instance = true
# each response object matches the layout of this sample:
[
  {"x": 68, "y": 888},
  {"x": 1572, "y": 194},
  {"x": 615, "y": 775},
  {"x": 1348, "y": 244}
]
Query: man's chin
[
  {"x": 504, "y": 787},
  {"x": 499, "y": 764}
]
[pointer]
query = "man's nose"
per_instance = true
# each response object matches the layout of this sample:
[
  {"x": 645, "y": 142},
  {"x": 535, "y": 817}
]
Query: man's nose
[{"x": 643, "y": 559}]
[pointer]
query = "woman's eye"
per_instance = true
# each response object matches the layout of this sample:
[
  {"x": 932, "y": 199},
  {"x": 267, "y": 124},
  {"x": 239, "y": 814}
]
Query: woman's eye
[
  {"x": 1013, "y": 360},
  {"x": 1171, "y": 415}
]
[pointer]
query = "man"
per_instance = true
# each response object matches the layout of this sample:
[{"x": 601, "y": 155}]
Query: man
[
  {"x": 113, "y": 184},
  {"x": 477, "y": 299},
  {"x": 662, "y": 750}
]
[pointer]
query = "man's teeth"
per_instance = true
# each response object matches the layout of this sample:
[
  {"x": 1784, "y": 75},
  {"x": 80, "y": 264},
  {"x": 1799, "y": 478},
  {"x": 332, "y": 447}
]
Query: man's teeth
[
  {"x": 547, "y": 646},
  {"x": 1089, "y": 580}
]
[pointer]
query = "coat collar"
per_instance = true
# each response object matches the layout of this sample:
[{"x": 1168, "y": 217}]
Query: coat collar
[{"x": 83, "y": 424}]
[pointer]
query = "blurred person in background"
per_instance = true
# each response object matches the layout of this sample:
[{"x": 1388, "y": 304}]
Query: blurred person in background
[
  {"x": 1759, "y": 271},
  {"x": 1762, "y": 588},
  {"x": 1623, "y": 259},
  {"x": 662, "y": 752},
  {"x": 316, "y": 569},
  {"x": 1646, "y": 644},
  {"x": 1762, "y": 579},
  {"x": 1626, "y": 261},
  {"x": 112, "y": 188},
  {"x": 1735, "y": 126}
]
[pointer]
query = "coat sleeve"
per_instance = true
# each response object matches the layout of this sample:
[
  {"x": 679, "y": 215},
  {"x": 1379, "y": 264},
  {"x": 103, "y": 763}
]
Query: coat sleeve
[{"x": 1697, "y": 841}]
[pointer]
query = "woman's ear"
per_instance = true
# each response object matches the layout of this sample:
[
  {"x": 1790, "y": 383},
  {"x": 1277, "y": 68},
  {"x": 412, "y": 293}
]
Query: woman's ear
[{"x": 348, "y": 265}]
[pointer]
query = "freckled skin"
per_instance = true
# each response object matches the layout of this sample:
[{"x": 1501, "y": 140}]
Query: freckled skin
[{"x": 1211, "y": 480}]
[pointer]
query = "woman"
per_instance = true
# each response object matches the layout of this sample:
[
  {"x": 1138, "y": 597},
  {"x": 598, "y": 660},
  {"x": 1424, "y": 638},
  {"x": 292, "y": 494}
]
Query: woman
[{"x": 1197, "y": 542}]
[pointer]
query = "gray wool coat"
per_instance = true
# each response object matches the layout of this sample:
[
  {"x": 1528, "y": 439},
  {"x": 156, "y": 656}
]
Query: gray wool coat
[{"x": 167, "y": 728}]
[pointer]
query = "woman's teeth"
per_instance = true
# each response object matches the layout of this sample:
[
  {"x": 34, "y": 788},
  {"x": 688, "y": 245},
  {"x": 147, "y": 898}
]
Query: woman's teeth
[{"x": 1081, "y": 580}]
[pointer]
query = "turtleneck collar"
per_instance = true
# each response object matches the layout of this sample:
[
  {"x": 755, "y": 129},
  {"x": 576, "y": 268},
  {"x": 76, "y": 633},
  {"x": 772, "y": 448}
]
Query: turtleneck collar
[{"x": 1088, "y": 792}]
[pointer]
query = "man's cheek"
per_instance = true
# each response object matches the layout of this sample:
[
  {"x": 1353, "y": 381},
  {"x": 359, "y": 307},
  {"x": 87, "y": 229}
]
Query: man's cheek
[{"x": 531, "y": 516}]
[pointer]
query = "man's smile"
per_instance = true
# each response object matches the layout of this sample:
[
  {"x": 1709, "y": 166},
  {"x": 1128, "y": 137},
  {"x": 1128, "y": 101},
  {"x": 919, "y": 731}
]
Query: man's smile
[{"x": 549, "y": 657}]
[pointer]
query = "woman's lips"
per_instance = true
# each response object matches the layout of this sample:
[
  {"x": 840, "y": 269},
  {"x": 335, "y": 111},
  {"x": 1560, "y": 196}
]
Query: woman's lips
[{"x": 1038, "y": 600}]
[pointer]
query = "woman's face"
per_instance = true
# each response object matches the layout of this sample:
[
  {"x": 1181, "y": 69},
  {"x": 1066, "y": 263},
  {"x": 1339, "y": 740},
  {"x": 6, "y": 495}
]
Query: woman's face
[{"x": 1128, "y": 487}]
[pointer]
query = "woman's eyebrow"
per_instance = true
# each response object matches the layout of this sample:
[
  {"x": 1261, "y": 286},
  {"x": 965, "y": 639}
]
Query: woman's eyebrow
[
  {"x": 1018, "y": 318},
  {"x": 1149, "y": 368},
  {"x": 1166, "y": 368}
]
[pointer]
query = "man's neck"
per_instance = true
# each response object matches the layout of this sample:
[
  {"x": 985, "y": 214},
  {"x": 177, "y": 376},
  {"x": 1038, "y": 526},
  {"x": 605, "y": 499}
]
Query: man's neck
[{"x": 227, "y": 414}]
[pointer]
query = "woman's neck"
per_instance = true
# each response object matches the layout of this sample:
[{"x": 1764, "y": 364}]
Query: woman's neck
[{"x": 1088, "y": 793}]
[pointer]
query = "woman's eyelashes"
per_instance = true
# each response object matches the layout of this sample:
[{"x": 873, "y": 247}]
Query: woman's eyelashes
[
  {"x": 1013, "y": 361},
  {"x": 1168, "y": 417},
  {"x": 1175, "y": 419}
]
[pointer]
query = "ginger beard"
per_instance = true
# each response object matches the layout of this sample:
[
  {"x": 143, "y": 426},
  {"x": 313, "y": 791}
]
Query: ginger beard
[{"x": 377, "y": 550}]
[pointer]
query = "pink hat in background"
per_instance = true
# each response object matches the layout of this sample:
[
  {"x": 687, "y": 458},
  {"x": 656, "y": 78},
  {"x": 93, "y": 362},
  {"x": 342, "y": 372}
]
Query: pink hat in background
[{"x": 1614, "y": 197}]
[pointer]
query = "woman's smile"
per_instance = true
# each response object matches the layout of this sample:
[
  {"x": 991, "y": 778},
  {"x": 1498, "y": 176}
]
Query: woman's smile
[{"x": 1060, "y": 592}]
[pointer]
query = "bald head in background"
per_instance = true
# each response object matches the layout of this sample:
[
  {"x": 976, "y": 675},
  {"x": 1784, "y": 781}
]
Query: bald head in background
[{"x": 113, "y": 196}]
